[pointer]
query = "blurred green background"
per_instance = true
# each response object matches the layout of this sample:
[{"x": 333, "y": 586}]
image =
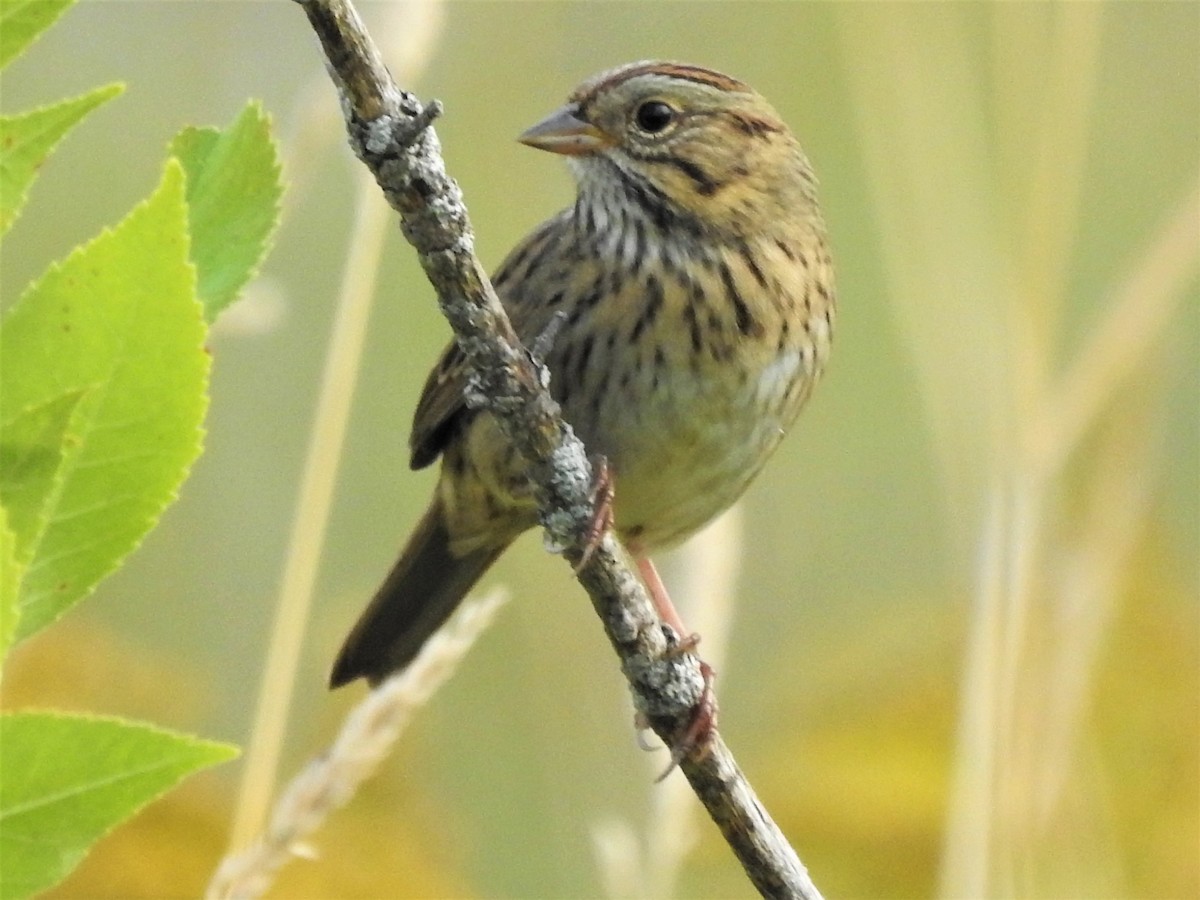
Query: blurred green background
[{"x": 952, "y": 667}]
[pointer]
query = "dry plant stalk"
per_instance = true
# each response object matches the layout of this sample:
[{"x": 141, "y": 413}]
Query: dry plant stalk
[
  {"x": 367, "y": 736},
  {"x": 389, "y": 130},
  {"x": 977, "y": 314},
  {"x": 417, "y": 26}
]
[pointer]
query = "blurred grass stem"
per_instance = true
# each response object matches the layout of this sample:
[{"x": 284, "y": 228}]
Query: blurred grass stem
[
  {"x": 367, "y": 736},
  {"x": 315, "y": 497},
  {"x": 413, "y": 29},
  {"x": 980, "y": 302},
  {"x": 1049, "y": 184},
  {"x": 1137, "y": 314}
]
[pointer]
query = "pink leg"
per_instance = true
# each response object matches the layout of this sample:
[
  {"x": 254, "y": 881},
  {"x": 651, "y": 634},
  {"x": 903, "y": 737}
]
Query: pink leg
[
  {"x": 662, "y": 602},
  {"x": 695, "y": 735}
]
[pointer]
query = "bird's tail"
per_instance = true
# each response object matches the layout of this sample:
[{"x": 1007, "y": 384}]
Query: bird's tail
[{"x": 422, "y": 590}]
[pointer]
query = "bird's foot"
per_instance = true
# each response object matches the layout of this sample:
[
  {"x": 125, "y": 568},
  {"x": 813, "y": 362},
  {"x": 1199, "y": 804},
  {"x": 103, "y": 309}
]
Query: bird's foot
[
  {"x": 683, "y": 644},
  {"x": 694, "y": 738}
]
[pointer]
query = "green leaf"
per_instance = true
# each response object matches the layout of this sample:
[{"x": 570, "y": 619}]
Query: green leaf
[
  {"x": 28, "y": 139},
  {"x": 68, "y": 780},
  {"x": 119, "y": 320},
  {"x": 21, "y": 21},
  {"x": 32, "y": 447},
  {"x": 10, "y": 576},
  {"x": 233, "y": 192}
]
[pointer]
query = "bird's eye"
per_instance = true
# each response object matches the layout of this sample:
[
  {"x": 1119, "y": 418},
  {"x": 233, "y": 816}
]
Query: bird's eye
[{"x": 654, "y": 116}]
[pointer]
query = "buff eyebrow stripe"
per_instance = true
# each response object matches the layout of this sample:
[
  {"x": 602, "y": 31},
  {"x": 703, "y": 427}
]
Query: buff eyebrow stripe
[{"x": 709, "y": 77}]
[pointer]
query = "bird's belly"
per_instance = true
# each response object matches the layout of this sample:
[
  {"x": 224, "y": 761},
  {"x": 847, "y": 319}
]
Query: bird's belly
[{"x": 689, "y": 448}]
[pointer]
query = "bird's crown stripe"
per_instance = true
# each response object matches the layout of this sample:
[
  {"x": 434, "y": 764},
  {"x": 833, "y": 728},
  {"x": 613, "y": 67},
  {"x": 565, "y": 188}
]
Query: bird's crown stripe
[{"x": 683, "y": 71}]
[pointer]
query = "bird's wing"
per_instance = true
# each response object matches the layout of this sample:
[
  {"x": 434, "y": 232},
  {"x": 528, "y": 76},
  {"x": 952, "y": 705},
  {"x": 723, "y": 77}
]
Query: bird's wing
[{"x": 442, "y": 407}]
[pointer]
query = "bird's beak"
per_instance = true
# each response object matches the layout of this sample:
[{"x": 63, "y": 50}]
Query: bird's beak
[{"x": 563, "y": 131}]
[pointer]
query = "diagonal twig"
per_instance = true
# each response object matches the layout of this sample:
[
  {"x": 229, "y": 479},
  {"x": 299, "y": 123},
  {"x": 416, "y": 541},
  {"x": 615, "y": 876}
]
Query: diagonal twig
[{"x": 389, "y": 131}]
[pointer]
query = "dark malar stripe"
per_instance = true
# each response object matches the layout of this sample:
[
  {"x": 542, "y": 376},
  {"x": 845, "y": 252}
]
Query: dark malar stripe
[
  {"x": 705, "y": 185},
  {"x": 656, "y": 206},
  {"x": 654, "y": 203}
]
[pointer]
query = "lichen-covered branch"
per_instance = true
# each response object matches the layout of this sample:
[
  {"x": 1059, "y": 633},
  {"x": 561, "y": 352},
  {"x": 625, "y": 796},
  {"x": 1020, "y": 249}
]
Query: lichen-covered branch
[{"x": 389, "y": 131}]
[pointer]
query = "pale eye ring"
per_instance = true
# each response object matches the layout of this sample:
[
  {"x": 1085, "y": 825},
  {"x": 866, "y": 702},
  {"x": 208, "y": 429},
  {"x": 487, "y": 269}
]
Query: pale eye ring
[{"x": 654, "y": 116}]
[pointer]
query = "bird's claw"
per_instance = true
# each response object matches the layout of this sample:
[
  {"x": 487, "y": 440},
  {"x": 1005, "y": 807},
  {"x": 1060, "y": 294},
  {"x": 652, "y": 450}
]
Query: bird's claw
[
  {"x": 679, "y": 646},
  {"x": 695, "y": 741},
  {"x": 602, "y": 494},
  {"x": 695, "y": 738}
]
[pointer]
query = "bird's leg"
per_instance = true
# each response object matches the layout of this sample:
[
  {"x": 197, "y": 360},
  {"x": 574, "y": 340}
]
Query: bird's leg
[
  {"x": 666, "y": 609},
  {"x": 694, "y": 736},
  {"x": 603, "y": 491}
]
